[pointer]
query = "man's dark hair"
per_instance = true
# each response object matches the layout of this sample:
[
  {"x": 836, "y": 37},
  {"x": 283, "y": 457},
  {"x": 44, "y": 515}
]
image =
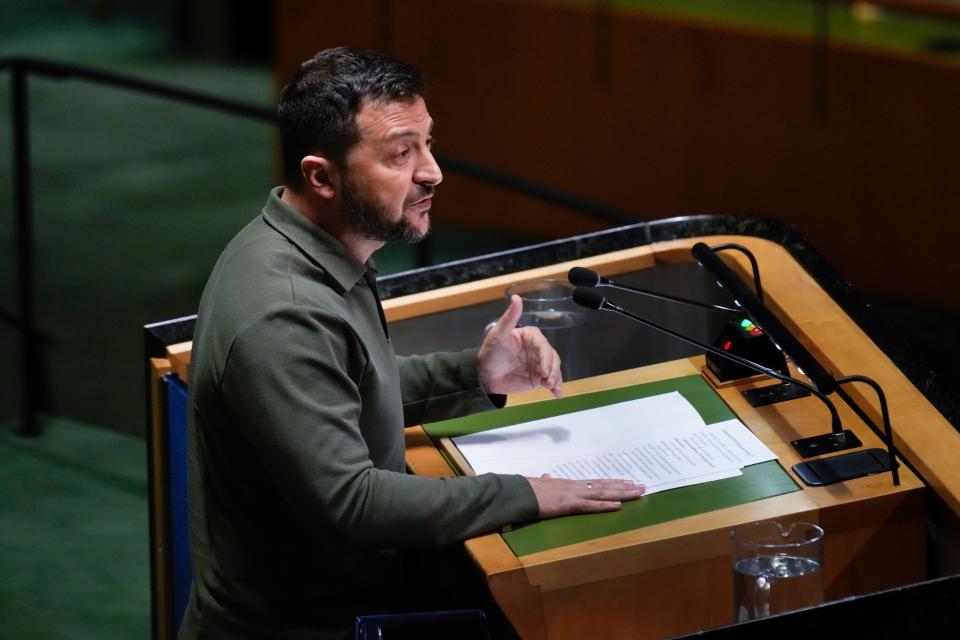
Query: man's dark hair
[{"x": 318, "y": 107}]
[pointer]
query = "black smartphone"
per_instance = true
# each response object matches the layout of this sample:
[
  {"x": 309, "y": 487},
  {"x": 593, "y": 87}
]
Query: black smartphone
[{"x": 847, "y": 466}]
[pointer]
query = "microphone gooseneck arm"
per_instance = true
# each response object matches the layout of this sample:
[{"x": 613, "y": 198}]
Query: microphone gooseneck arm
[
  {"x": 753, "y": 263},
  {"x": 884, "y": 414},
  {"x": 583, "y": 277},
  {"x": 758, "y": 312},
  {"x": 591, "y": 299},
  {"x": 678, "y": 299}
]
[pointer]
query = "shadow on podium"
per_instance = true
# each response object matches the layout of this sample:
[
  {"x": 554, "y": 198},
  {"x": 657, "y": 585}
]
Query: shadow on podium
[{"x": 923, "y": 610}]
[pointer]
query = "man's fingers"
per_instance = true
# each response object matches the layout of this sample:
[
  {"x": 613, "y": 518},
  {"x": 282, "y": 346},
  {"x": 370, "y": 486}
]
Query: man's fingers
[
  {"x": 557, "y": 496},
  {"x": 618, "y": 490},
  {"x": 545, "y": 363},
  {"x": 596, "y": 506},
  {"x": 606, "y": 495},
  {"x": 555, "y": 378},
  {"x": 508, "y": 321}
]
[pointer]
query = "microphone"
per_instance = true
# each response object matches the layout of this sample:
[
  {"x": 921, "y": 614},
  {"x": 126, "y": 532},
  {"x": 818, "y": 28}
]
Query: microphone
[
  {"x": 590, "y": 298},
  {"x": 583, "y": 277},
  {"x": 586, "y": 297},
  {"x": 763, "y": 317},
  {"x": 739, "y": 337}
]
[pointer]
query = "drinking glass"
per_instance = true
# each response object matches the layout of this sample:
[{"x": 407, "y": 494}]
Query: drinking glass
[{"x": 776, "y": 568}]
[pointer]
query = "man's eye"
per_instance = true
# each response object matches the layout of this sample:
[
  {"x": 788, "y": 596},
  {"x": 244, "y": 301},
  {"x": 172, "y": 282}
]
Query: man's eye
[{"x": 403, "y": 153}]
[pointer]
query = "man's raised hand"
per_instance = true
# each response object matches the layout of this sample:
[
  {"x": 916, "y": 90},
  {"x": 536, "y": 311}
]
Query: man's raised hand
[{"x": 515, "y": 358}]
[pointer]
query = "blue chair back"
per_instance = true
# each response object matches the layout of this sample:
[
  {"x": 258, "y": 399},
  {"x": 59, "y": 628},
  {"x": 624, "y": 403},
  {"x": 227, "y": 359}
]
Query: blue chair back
[{"x": 179, "y": 552}]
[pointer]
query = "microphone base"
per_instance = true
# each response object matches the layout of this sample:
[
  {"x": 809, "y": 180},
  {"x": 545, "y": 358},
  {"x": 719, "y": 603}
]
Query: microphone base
[
  {"x": 826, "y": 443},
  {"x": 772, "y": 394},
  {"x": 760, "y": 396}
]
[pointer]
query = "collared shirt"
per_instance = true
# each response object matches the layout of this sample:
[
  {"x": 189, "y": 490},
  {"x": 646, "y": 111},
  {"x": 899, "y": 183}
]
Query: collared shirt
[{"x": 298, "y": 489}]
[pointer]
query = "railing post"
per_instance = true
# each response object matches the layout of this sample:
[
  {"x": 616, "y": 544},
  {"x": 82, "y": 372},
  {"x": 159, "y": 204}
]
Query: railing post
[{"x": 30, "y": 382}]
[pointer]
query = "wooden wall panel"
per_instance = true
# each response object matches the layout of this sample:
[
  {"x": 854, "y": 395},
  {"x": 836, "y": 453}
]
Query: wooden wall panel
[{"x": 678, "y": 117}]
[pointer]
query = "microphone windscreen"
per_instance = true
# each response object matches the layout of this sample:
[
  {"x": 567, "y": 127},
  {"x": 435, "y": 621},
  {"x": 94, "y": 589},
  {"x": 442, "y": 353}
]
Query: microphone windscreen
[
  {"x": 588, "y": 297},
  {"x": 583, "y": 277}
]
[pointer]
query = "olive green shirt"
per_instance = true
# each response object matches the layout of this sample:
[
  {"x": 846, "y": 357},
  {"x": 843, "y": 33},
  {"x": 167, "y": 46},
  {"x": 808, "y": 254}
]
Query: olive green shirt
[{"x": 298, "y": 491}]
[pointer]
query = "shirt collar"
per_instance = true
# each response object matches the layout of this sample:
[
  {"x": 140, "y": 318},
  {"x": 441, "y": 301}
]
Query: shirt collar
[{"x": 315, "y": 242}]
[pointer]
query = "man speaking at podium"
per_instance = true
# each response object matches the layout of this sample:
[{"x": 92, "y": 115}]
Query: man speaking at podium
[{"x": 300, "y": 506}]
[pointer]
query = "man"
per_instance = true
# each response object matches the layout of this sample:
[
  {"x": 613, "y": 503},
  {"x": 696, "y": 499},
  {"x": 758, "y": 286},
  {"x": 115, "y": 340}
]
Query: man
[{"x": 299, "y": 500}]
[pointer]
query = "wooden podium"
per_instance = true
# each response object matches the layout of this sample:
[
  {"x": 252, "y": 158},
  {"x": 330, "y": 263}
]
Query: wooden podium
[{"x": 675, "y": 577}]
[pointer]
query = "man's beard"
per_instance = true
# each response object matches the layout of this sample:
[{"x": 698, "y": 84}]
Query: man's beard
[{"x": 370, "y": 219}]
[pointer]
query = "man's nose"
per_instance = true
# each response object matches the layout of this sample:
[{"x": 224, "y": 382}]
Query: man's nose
[{"x": 429, "y": 171}]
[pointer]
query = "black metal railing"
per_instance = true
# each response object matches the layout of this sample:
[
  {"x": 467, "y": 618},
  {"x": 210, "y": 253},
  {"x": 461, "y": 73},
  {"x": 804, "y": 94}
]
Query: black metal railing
[{"x": 34, "y": 380}]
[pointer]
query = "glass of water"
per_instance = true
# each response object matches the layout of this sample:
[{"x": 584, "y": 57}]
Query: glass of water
[
  {"x": 776, "y": 568},
  {"x": 548, "y": 305}
]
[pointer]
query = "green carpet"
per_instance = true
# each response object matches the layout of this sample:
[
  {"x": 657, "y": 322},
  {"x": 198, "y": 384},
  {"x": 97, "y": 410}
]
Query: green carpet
[{"x": 73, "y": 534}]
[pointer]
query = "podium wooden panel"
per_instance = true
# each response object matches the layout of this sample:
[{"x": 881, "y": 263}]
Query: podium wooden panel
[{"x": 675, "y": 577}]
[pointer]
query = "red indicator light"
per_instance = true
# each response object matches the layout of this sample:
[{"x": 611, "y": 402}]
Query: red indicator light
[{"x": 727, "y": 345}]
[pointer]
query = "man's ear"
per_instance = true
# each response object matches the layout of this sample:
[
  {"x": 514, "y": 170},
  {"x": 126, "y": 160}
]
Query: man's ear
[{"x": 320, "y": 175}]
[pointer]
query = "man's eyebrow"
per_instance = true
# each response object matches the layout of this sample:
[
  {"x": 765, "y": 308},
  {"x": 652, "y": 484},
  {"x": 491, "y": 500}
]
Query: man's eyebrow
[
  {"x": 403, "y": 133},
  {"x": 408, "y": 133}
]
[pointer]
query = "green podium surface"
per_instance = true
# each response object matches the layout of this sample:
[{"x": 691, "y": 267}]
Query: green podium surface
[{"x": 758, "y": 481}]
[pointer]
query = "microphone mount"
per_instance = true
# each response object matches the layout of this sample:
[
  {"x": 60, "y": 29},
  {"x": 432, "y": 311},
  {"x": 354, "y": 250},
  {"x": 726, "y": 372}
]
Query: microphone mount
[
  {"x": 832, "y": 469},
  {"x": 838, "y": 438},
  {"x": 756, "y": 346}
]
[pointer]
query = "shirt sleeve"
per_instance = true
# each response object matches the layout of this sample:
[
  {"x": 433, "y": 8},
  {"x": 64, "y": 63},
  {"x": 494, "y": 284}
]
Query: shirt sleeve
[
  {"x": 291, "y": 385},
  {"x": 439, "y": 386}
]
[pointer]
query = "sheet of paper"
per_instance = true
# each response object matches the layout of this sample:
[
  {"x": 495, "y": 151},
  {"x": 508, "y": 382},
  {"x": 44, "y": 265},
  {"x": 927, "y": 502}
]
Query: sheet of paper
[
  {"x": 580, "y": 433},
  {"x": 660, "y": 441}
]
